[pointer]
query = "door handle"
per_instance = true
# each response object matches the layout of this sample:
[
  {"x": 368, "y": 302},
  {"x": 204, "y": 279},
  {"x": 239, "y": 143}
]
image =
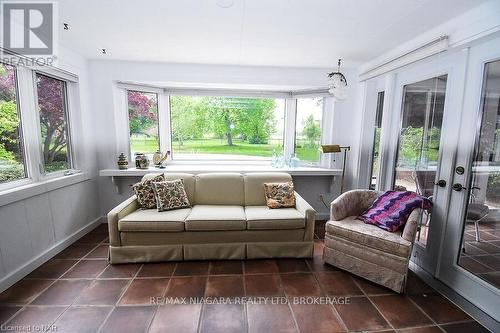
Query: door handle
[
  {"x": 441, "y": 183},
  {"x": 458, "y": 187}
]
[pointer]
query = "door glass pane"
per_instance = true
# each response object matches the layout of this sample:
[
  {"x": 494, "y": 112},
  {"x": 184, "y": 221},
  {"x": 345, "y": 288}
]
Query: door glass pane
[
  {"x": 51, "y": 95},
  {"x": 480, "y": 253},
  {"x": 418, "y": 151},
  {"x": 376, "y": 141}
]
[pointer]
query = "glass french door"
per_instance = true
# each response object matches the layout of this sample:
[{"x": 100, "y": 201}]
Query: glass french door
[
  {"x": 443, "y": 142},
  {"x": 470, "y": 263},
  {"x": 426, "y": 117}
]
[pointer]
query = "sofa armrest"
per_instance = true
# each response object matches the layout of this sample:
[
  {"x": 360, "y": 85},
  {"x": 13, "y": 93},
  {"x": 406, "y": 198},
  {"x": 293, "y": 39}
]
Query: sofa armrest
[
  {"x": 128, "y": 206},
  {"x": 310, "y": 214},
  {"x": 410, "y": 229},
  {"x": 351, "y": 203}
]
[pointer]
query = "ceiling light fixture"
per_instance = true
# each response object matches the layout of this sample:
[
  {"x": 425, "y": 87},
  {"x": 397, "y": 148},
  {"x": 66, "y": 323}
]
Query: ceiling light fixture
[
  {"x": 225, "y": 3},
  {"x": 337, "y": 83}
]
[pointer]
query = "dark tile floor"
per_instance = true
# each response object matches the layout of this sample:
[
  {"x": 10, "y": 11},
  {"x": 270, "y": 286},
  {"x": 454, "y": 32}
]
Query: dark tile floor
[
  {"x": 483, "y": 258},
  {"x": 77, "y": 291}
]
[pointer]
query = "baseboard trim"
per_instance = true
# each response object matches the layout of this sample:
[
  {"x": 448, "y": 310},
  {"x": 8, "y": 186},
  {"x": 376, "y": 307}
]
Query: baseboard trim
[
  {"x": 472, "y": 310},
  {"x": 36, "y": 262}
]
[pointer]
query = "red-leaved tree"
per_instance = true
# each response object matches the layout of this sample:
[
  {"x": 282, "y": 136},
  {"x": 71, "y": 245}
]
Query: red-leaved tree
[
  {"x": 51, "y": 105},
  {"x": 142, "y": 111}
]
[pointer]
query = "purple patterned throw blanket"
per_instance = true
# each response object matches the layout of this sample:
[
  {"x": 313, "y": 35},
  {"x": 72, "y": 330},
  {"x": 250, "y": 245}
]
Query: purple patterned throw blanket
[{"x": 391, "y": 210}]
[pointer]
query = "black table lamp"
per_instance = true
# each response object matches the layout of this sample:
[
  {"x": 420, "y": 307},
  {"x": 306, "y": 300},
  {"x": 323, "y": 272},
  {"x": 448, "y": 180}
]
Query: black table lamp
[{"x": 330, "y": 149}]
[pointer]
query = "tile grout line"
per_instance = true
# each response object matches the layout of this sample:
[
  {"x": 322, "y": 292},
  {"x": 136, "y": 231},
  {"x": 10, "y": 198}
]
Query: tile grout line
[
  {"x": 28, "y": 304},
  {"x": 78, "y": 296},
  {"x": 289, "y": 304},
  {"x": 163, "y": 296},
  {"x": 333, "y": 309},
  {"x": 203, "y": 306},
  {"x": 119, "y": 298}
]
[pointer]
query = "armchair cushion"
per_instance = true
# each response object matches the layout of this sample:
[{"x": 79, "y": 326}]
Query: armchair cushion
[
  {"x": 390, "y": 210},
  {"x": 369, "y": 235}
]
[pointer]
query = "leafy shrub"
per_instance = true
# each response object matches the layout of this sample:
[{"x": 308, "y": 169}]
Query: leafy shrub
[{"x": 11, "y": 170}]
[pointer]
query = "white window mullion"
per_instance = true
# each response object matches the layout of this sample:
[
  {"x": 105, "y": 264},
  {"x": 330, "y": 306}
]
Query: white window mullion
[
  {"x": 121, "y": 122},
  {"x": 164, "y": 123},
  {"x": 30, "y": 123},
  {"x": 327, "y": 131},
  {"x": 289, "y": 131}
]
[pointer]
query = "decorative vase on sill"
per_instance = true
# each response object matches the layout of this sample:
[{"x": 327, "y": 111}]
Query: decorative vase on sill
[
  {"x": 122, "y": 162},
  {"x": 159, "y": 158},
  {"x": 141, "y": 161}
]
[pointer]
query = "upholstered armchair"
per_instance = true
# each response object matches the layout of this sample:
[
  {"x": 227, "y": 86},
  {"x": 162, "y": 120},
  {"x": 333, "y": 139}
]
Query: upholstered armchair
[{"x": 366, "y": 250}]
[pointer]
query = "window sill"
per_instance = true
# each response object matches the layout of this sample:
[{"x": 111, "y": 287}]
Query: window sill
[
  {"x": 37, "y": 188},
  {"x": 220, "y": 167}
]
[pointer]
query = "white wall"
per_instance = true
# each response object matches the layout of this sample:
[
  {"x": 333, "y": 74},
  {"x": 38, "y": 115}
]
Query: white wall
[
  {"x": 104, "y": 74},
  {"x": 35, "y": 228}
]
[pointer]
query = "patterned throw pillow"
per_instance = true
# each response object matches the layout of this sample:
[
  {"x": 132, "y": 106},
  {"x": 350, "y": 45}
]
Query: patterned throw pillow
[
  {"x": 171, "y": 195},
  {"x": 145, "y": 192},
  {"x": 391, "y": 209},
  {"x": 279, "y": 195}
]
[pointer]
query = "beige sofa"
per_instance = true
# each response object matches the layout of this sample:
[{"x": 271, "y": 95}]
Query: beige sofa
[
  {"x": 364, "y": 249},
  {"x": 228, "y": 219}
]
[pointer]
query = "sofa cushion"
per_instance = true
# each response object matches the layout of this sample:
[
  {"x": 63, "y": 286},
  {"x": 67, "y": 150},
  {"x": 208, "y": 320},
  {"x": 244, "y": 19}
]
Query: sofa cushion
[
  {"x": 369, "y": 235},
  {"x": 262, "y": 217},
  {"x": 187, "y": 178},
  {"x": 254, "y": 185},
  {"x": 152, "y": 220},
  {"x": 216, "y": 217},
  {"x": 219, "y": 189}
]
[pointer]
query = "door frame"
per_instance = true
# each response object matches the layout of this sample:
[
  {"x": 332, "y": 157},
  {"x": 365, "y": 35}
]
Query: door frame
[
  {"x": 479, "y": 292},
  {"x": 453, "y": 65}
]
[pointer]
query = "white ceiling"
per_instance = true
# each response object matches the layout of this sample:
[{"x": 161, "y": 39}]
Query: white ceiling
[{"x": 296, "y": 33}]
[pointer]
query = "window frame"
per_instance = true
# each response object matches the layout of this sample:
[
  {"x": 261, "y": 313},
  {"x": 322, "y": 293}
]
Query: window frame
[
  {"x": 244, "y": 158},
  {"x": 160, "y": 129},
  {"x": 164, "y": 117},
  {"x": 322, "y": 157},
  {"x": 67, "y": 126},
  {"x": 372, "y": 150},
  {"x": 27, "y": 103},
  {"x": 27, "y": 170}
]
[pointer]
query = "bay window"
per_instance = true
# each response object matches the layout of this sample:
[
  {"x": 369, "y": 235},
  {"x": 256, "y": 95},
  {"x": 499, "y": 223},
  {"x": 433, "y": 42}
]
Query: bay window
[{"x": 209, "y": 125}]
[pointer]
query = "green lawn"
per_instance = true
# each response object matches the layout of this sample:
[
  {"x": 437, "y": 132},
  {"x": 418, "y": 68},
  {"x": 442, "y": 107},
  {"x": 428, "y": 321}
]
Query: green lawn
[{"x": 217, "y": 146}]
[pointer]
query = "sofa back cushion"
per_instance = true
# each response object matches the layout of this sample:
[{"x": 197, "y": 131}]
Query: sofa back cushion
[
  {"x": 188, "y": 179},
  {"x": 254, "y": 186},
  {"x": 219, "y": 189}
]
